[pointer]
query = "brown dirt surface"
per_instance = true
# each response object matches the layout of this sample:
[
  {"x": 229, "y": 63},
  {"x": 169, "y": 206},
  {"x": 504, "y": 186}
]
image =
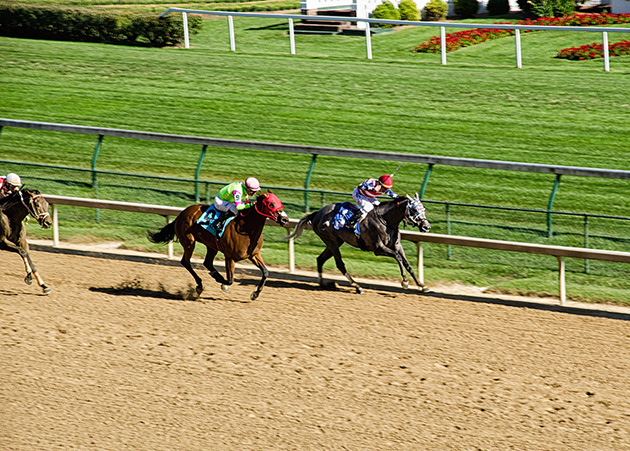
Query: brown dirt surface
[{"x": 116, "y": 359}]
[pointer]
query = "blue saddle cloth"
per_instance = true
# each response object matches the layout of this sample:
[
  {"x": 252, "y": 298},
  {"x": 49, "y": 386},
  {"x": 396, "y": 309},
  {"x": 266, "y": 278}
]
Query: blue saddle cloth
[
  {"x": 209, "y": 218},
  {"x": 343, "y": 214}
]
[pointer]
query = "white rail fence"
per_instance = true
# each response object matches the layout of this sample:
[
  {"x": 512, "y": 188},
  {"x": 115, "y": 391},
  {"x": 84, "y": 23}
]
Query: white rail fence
[
  {"x": 560, "y": 252},
  {"x": 367, "y": 21}
]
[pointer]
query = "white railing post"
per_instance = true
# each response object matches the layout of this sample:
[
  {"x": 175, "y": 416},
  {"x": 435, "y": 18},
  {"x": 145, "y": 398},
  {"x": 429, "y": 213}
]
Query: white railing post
[
  {"x": 443, "y": 44},
  {"x": 169, "y": 246},
  {"x": 291, "y": 253},
  {"x": 561, "y": 281},
  {"x": 55, "y": 226},
  {"x": 291, "y": 37},
  {"x": 231, "y": 28},
  {"x": 519, "y": 57},
  {"x": 606, "y": 55},
  {"x": 368, "y": 40},
  {"x": 420, "y": 262},
  {"x": 186, "y": 38}
]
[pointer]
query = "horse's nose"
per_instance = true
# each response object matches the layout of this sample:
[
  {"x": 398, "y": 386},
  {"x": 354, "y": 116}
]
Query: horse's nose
[{"x": 426, "y": 226}]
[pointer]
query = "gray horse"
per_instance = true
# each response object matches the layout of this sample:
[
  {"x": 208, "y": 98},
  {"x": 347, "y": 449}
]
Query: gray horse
[{"x": 379, "y": 234}]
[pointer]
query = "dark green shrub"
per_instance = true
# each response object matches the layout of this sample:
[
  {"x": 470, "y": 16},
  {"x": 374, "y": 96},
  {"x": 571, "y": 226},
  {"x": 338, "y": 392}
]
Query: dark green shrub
[
  {"x": 23, "y": 20},
  {"x": 466, "y": 8},
  {"x": 498, "y": 7},
  {"x": 408, "y": 10},
  {"x": 435, "y": 11},
  {"x": 552, "y": 8},
  {"x": 386, "y": 10}
]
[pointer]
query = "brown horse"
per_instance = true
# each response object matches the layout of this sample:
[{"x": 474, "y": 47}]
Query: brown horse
[
  {"x": 13, "y": 209},
  {"x": 241, "y": 239}
]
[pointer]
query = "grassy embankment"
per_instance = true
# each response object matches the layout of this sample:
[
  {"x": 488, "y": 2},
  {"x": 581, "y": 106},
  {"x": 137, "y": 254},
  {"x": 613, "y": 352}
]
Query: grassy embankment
[{"x": 478, "y": 106}]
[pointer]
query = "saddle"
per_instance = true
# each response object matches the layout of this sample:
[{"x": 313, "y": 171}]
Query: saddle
[
  {"x": 212, "y": 221},
  {"x": 344, "y": 212}
]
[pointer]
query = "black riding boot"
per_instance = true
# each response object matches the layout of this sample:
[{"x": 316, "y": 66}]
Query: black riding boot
[
  {"x": 218, "y": 225},
  {"x": 352, "y": 222}
]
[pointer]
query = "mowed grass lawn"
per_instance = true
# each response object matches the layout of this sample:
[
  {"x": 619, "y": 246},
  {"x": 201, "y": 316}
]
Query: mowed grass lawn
[{"x": 478, "y": 106}]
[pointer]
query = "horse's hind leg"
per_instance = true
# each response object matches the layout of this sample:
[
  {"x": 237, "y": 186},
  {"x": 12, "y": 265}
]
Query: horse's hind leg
[
  {"x": 229, "y": 274},
  {"x": 208, "y": 262},
  {"x": 185, "y": 261},
  {"x": 258, "y": 261},
  {"x": 321, "y": 259},
  {"x": 342, "y": 267}
]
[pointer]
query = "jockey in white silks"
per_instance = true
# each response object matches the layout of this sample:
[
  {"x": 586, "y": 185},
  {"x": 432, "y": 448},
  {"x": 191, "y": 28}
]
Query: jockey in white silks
[{"x": 365, "y": 195}]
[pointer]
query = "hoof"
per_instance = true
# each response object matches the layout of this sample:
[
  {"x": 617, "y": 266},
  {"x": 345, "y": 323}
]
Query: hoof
[
  {"x": 28, "y": 280},
  {"x": 404, "y": 284},
  {"x": 254, "y": 295},
  {"x": 225, "y": 288},
  {"x": 199, "y": 290},
  {"x": 359, "y": 290},
  {"x": 46, "y": 289},
  {"x": 425, "y": 289}
]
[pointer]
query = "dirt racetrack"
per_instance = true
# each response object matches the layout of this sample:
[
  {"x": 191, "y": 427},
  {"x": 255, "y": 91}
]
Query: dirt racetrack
[{"x": 115, "y": 359}]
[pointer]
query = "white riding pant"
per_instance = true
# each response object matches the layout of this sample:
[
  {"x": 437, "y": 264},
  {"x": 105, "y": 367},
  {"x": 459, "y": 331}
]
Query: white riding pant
[
  {"x": 225, "y": 206},
  {"x": 366, "y": 204}
]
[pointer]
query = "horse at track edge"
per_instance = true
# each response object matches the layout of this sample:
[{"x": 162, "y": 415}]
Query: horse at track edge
[{"x": 13, "y": 209}]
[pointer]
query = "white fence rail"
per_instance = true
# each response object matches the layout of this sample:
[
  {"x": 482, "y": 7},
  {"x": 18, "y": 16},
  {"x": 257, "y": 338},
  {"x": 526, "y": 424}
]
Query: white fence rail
[
  {"x": 560, "y": 252},
  {"x": 443, "y": 25}
]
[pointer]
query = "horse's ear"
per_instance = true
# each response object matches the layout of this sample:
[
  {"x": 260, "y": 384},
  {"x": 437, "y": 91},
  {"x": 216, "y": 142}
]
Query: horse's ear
[
  {"x": 409, "y": 197},
  {"x": 417, "y": 196}
]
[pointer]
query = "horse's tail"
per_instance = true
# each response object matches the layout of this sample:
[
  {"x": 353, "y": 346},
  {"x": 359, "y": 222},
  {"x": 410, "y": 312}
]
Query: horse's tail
[
  {"x": 300, "y": 226},
  {"x": 166, "y": 234}
]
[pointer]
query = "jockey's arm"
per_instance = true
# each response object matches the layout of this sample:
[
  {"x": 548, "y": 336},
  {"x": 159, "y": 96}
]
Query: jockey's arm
[
  {"x": 392, "y": 194},
  {"x": 241, "y": 202}
]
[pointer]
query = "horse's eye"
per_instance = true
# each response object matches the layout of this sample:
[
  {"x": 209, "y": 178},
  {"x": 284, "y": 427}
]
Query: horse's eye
[{"x": 272, "y": 205}]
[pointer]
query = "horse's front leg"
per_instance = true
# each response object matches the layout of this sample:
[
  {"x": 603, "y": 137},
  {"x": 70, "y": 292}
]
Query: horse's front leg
[
  {"x": 399, "y": 255},
  {"x": 31, "y": 271},
  {"x": 208, "y": 262},
  {"x": 258, "y": 261},
  {"x": 28, "y": 264}
]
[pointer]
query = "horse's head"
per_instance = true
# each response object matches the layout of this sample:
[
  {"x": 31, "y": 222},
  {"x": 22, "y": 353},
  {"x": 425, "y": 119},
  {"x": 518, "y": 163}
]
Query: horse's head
[
  {"x": 36, "y": 205},
  {"x": 271, "y": 207},
  {"x": 416, "y": 214}
]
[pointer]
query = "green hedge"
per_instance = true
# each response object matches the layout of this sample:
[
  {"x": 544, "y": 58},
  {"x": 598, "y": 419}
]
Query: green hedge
[{"x": 23, "y": 20}]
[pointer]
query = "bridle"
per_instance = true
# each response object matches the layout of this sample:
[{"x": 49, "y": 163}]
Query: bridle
[
  {"x": 418, "y": 212},
  {"x": 274, "y": 211},
  {"x": 32, "y": 208}
]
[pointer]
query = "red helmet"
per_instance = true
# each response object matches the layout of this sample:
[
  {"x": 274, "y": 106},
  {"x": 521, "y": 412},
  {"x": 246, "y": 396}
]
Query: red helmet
[{"x": 386, "y": 181}]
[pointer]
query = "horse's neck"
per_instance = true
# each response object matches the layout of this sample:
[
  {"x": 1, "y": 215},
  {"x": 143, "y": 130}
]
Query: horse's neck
[
  {"x": 392, "y": 212},
  {"x": 253, "y": 221},
  {"x": 15, "y": 212}
]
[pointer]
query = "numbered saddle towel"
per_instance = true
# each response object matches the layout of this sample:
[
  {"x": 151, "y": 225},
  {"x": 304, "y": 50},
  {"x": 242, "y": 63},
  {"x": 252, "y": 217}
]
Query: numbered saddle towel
[
  {"x": 344, "y": 212},
  {"x": 210, "y": 220}
]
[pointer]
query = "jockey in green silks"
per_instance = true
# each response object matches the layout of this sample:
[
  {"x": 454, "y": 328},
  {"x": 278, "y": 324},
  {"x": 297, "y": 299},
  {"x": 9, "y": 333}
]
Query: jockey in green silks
[{"x": 235, "y": 197}]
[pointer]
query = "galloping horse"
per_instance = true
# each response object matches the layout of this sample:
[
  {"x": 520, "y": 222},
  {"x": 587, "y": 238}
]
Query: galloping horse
[
  {"x": 13, "y": 209},
  {"x": 241, "y": 239},
  {"x": 379, "y": 234}
]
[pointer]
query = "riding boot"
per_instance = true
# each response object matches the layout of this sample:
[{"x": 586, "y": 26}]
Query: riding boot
[
  {"x": 222, "y": 220},
  {"x": 352, "y": 222}
]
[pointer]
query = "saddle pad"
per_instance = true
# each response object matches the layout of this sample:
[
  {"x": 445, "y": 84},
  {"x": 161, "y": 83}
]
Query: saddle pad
[
  {"x": 344, "y": 212},
  {"x": 208, "y": 219}
]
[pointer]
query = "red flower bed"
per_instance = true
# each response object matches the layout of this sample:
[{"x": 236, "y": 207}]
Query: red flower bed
[
  {"x": 455, "y": 41},
  {"x": 595, "y": 50}
]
